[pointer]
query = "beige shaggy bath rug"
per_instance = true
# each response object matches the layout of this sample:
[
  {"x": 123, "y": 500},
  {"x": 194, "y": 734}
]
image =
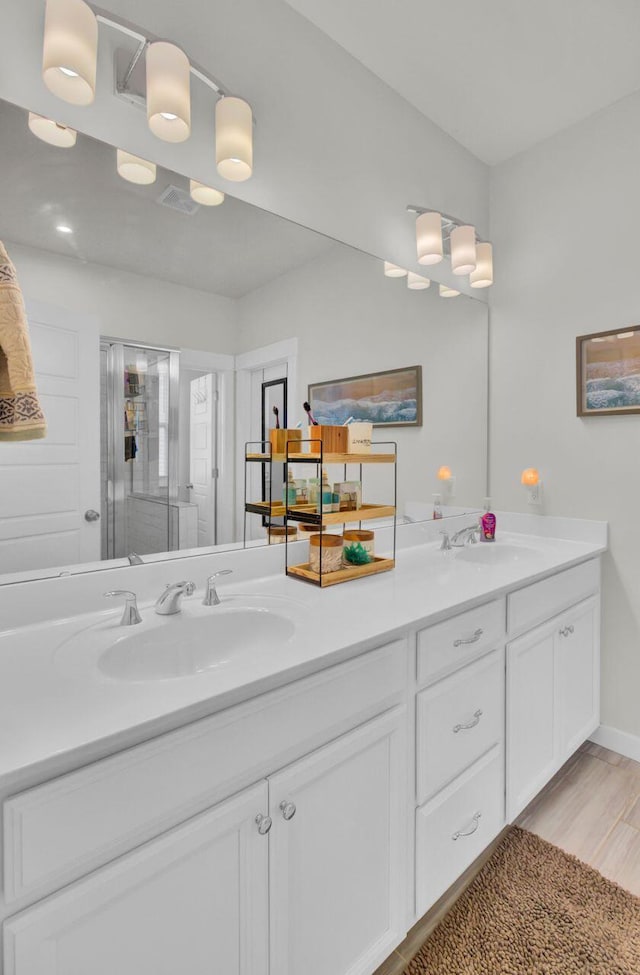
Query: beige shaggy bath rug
[{"x": 535, "y": 910}]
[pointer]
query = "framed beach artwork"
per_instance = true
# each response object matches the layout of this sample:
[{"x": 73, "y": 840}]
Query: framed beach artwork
[
  {"x": 387, "y": 399},
  {"x": 608, "y": 372}
]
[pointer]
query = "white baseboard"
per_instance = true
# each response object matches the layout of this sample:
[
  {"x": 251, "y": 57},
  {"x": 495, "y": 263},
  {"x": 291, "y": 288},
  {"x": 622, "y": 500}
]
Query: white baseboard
[{"x": 618, "y": 741}]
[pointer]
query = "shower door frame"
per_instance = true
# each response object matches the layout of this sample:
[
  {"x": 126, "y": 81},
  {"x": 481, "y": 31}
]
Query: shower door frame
[{"x": 115, "y": 505}]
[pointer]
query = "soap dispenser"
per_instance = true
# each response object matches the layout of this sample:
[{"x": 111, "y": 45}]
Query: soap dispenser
[{"x": 487, "y": 523}]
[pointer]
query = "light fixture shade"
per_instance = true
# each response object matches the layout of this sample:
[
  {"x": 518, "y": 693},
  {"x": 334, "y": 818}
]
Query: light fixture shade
[
  {"x": 394, "y": 271},
  {"x": 447, "y": 292},
  {"x": 70, "y": 51},
  {"x": 463, "y": 249},
  {"x": 134, "y": 169},
  {"x": 206, "y": 195},
  {"x": 416, "y": 282},
  {"x": 234, "y": 138},
  {"x": 52, "y": 132},
  {"x": 482, "y": 277},
  {"x": 444, "y": 473},
  {"x": 429, "y": 238},
  {"x": 168, "y": 92},
  {"x": 530, "y": 477}
]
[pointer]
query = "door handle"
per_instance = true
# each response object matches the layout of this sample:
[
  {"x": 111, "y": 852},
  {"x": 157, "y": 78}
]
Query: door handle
[
  {"x": 189, "y": 487},
  {"x": 91, "y": 515}
]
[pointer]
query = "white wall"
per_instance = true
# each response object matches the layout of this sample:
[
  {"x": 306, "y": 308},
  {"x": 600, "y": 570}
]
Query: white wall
[
  {"x": 335, "y": 148},
  {"x": 128, "y": 306},
  {"x": 565, "y": 219},
  {"x": 349, "y": 319}
]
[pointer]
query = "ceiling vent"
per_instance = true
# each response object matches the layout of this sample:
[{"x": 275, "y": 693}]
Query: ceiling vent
[{"x": 177, "y": 199}]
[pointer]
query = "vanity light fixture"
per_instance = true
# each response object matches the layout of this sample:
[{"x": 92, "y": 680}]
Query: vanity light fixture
[
  {"x": 69, "y": 64},
  {"x": 70, "y": 51},
  {"x": 52, "y": 132},
  {"x": 394, "y": 270},
  {"x": 429, "y": 237},
  {"x": 234, "y": 139},
  {"x": 205, "y": 195},
  {"x": 482, "y": 277},
  {"x": 415, "y": 282},
  {"x": 134, "y": 169},
  {"x": 447, "y": 292},
  {"x": 530, "y": 479},
  {"x": 463, "y": 249},
  {"x": 168, "y": 92}
]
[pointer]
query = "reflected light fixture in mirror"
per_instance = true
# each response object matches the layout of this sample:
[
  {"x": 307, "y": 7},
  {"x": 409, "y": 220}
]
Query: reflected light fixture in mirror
[
  {"x": 482, "y": 277},
  {"x": 415, "y": 282},
  {"x": 207, "y": 196},
  {"x": 234, "y": 138},
  {"x": 463, "y": 249},
  {"x": 394, "y": 270},
  {"x": 429, "y": 238},
  {"x": 70, "y": 51},
  {"x": 52, "y": 132},
  {"x": 134, "y": 169},
  {"x": 168, "y": 92},
  {"x": 447, "y": 292}
]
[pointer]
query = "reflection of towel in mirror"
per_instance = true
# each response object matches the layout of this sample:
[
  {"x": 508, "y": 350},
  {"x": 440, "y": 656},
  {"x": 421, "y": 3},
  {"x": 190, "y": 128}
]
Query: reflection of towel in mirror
[{"x": 21, "y": 417}]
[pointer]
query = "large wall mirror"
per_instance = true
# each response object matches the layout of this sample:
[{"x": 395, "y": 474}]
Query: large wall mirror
[{"x": 164, "y": 332}]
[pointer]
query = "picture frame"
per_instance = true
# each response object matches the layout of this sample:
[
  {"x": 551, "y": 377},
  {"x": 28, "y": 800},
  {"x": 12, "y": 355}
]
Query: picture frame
[
  {"x": 608, "y": 372},
  {"x": 391, "y": 398}
]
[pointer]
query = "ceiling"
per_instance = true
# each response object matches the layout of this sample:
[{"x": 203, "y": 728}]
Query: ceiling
[
  {"x": 499, "y": 75},
  {"x": 229, "y": 250}
]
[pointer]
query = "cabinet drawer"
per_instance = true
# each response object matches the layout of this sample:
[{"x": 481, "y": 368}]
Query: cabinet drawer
[
  {"x": 449, "y": 645},
  {"x": 61, "y": 830},
  {"x": 455, "y": 827},
  {"x": 534, "y": 604},
  {"x": 458, "y": 720}
]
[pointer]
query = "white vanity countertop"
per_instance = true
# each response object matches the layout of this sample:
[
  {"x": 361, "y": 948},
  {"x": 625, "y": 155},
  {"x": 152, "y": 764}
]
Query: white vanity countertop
[{"x": 63, "y": 719}]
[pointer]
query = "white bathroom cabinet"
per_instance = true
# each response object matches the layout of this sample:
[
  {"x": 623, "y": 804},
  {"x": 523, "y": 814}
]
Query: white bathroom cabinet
[
  {"x": 553, "y": 698},
  {"x": 306, "y": 829}
]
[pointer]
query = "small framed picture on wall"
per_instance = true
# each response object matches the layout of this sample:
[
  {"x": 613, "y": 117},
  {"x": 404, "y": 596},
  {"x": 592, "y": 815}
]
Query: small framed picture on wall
[{"x": 608, "y": 372}]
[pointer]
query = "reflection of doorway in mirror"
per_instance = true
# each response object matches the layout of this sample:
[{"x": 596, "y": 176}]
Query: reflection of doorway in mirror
[{"x": 203, "y": 473}]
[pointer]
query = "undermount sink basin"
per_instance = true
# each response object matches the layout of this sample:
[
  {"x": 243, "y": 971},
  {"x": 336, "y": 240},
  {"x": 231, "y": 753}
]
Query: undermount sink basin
[
  {"x": 195, "y": 641},
  {"x": 496, "y": 553}
]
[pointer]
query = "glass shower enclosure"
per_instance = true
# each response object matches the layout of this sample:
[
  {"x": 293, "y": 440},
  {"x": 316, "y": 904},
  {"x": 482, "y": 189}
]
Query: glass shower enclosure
[{"x": 138, "y": 455}]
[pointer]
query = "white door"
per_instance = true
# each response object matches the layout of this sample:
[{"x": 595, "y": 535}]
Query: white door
[
  {"x": 531, "y": 727},
  {"x": 202, "y": 455},
  {"x": 337, "y": 897},
  {"x": 578, "y": 695},
  {"x": 47, "y": 486},
  {"x": 194, "y": 901}
]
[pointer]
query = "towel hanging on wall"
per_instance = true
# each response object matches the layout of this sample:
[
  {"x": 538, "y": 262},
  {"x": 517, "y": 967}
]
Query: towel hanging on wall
[{"x": 21, "y": 417}]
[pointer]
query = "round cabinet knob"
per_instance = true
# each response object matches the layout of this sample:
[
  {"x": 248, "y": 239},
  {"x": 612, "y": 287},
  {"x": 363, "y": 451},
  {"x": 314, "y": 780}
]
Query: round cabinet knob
[
  {"x": 288, "y": 809},
  {"x": 264, "y": 824},
  {"x": 91, "y": 515}
]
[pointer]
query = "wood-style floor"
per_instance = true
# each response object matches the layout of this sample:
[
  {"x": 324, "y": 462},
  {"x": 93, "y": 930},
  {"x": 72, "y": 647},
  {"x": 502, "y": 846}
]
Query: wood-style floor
[{"x": 591, "y": 809}]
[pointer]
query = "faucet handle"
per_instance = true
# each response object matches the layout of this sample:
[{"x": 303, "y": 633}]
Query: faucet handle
[
  {"x": 445, "y": 545},
  {"x": 211, "y": 596},
  {"x": 130, "y": 615}
]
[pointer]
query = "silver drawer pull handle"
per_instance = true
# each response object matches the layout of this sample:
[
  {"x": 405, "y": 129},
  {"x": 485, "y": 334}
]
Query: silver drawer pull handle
[
  {"x": 288, "y": 809},
  {"x": 475, "y": 822},
  {"x": 264, "y": 824},
  {"x": 472, "y": 639},
  {"x": 470, "y": 724},
  {"x": 566, "y": 630}
]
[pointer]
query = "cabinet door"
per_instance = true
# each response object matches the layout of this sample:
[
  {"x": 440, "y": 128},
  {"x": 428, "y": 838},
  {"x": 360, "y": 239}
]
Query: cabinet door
[
  {"x": 338, "y": 895},
  {"x": 194, "y": 901},
  {"x": 578, "y": 673},
  {"x": 531, "y": 732}
]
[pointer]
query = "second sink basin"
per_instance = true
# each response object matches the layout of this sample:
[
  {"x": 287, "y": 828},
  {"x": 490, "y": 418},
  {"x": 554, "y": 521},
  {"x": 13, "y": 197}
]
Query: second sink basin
[{"x": 496, "y": 553}]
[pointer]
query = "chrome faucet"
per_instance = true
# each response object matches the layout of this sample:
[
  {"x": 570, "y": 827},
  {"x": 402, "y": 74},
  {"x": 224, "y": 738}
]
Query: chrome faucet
[
  {"x": 468, "y": 535},
  {"x": 169, "y": 602},
  {"x": 130, "y": 616},
  {"x": 211, "y": 596}
]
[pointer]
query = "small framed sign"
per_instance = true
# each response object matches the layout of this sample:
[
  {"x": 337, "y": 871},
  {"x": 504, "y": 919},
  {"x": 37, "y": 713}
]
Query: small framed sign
[{"x": 608, "y": 372}]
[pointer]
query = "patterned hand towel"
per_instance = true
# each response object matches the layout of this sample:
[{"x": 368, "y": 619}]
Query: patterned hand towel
[{"x": 21, "y": 417}]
